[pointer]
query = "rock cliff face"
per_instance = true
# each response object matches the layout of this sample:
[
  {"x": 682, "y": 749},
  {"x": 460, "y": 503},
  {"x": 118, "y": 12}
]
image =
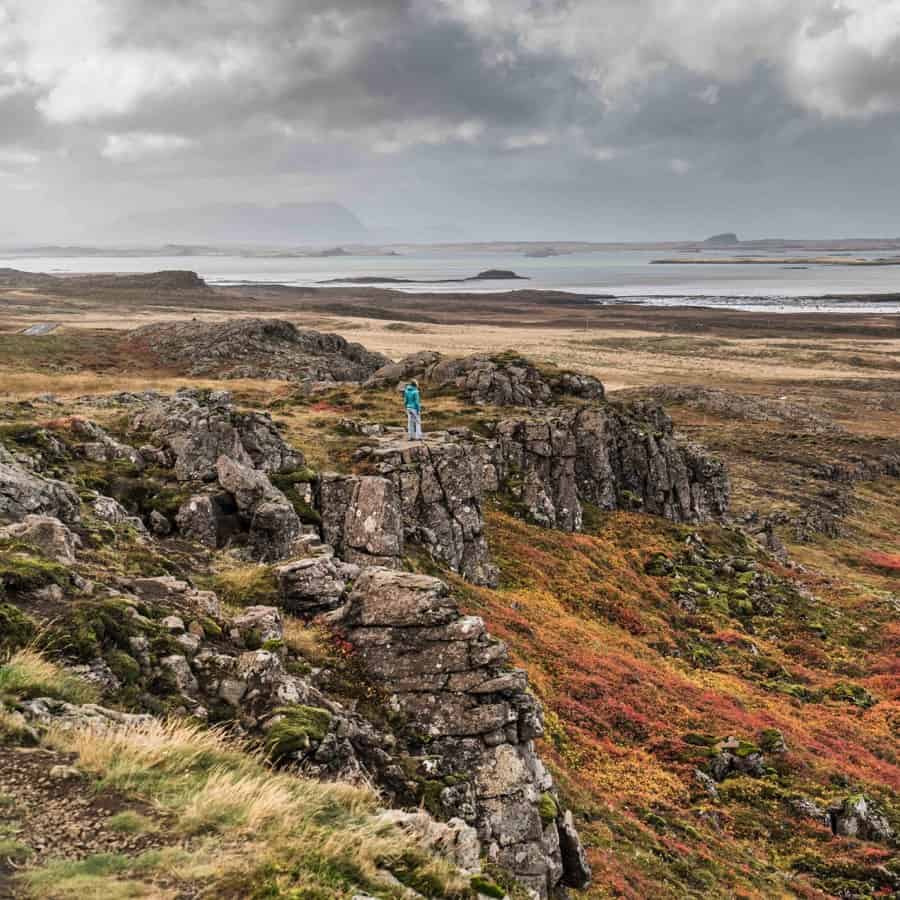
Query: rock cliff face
[
  {"x": 361, "y": 519},
  {"x": 611, "y": 457},
  {"x": 470, "y": 723},
  {"x": 550, "y": 463},
  {"x": 440, "y": 486},
  {"x": 255, "y": 348}
]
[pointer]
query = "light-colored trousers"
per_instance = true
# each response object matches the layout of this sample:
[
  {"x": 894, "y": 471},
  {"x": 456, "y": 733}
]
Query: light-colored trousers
[{"x": 414, "y": 424}]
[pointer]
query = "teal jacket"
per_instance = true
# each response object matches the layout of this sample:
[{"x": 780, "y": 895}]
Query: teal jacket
[{"x": 411, "y": 398}]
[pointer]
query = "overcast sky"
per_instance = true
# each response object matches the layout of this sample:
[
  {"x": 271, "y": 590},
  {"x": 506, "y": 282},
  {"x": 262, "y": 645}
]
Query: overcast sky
[{"x": 593, "y": 119}]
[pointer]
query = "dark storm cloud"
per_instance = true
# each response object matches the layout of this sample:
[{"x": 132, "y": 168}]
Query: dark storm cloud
[{"x": 563, "y": 106}]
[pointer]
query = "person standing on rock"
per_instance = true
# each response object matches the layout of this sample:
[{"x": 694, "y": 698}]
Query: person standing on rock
[{"x": 413, "y": 403}]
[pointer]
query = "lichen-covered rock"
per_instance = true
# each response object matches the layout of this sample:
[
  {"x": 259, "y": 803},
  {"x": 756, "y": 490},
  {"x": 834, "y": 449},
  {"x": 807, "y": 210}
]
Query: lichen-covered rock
[
  {"x": 610, "y": 457},
  {"x": 195, "y": 428},
  {"x": 109, "y": 510},
  {"x": 46, "y": 711},
  {"x": 23, "y": 493},
  {"x": 99, "y": 446},
  {"x": 361, "y": 518},
  {"x": 736, "y": 757},
  {"x": 313, "y": 585},
  {"x": 504, "y": 380},
  {"x": 46, "y": 534},
  {"x": 208, "y": 519},
  {"x": 454, "y": 840},
  {"x": 858, "y": 817},
  {"x": 440, "y": 485},
  {"x": 258, "y": 625},
  {"x": 471, "y": 722}
]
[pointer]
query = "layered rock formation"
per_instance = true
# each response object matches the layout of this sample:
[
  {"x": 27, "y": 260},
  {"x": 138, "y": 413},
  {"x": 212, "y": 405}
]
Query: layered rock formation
[
  {"x": 471, "y": 722},
  {"x": 254, "y": 348},
  {"x": 438, "y": 486},
  {"x": 612, "y": 457}
]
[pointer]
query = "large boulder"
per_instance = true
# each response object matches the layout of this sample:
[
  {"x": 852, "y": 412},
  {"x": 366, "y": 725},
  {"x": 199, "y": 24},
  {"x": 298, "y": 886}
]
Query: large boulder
[
  {"x": 314, "y": 584},
  {"x": 46, "y": 534},
  {"x": 23, "y": 493}
]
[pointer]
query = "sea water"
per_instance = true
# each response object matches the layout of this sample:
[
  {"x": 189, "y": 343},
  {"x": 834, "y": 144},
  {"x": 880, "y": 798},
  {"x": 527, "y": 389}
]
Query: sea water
[{"x": 628, "y": 275}]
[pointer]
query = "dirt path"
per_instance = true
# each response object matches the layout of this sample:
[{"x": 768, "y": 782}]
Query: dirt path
[{"x": 53, "y": 813}]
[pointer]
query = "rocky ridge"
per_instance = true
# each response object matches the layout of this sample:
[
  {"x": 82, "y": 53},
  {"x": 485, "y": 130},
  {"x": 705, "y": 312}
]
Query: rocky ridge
[{"x": 255, "y": 348}]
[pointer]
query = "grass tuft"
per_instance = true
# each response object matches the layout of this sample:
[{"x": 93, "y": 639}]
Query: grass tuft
[{"x": 28, "y": 674}]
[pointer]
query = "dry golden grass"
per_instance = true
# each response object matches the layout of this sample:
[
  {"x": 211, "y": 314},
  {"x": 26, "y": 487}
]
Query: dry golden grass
[
  {"x": 28, "y": 673},
  {"x": 307, "y": 641},
  {"x": 218, "y": 788}
]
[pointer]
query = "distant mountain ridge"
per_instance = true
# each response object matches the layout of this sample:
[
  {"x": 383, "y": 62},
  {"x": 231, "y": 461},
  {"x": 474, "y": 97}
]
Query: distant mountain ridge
[{"x": 287, "y": 223}]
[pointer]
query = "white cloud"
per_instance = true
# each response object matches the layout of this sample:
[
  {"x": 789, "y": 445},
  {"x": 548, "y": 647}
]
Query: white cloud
[
  {"x": 424, "y": 132},
  {"x": 680, "y": 166},
  {"x": 136, "y": 145},
  {"x": 530, "y": 141},
  {"x": 9, "y": 156}
]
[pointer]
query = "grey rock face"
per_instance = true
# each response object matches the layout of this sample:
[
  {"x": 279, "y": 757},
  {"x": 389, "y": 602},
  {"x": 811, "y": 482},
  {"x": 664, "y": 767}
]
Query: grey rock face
[
  {"x": 502, "y": 381},
  {"x": 313, "y": 585},
  {"x": 272, "y": 522},
  {"x": 613, "y": 458},
  {"x": 476, "y": 719},
  {"x": 256, "y": 348},
  {"x": 440, "y": 485},
  {"x": 47, "y": 534},
  {"x": 102, "y": 447},
  {"x": 23, "y": 493},
  {"x": 361, "y": 519},
  {"x": 859, "y": 818},
  {"x": 207, "y": 518},
  {"x": 195, "y": 428}
]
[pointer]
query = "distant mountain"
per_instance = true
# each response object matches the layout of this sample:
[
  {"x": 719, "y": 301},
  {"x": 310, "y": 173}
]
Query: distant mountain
[{"x": 288, "y": 223}]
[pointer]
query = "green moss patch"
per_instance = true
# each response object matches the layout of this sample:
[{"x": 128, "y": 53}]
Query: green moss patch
[{"x": 296, "y": 731}]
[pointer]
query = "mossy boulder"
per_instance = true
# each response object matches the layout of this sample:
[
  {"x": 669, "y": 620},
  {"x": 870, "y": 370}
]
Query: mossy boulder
[{"x": 297, "y": 728}]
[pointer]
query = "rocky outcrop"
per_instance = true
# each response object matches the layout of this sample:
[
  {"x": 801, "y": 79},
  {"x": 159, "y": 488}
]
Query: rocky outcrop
[
  {"x": 271, "y": 523},
  {"x": 23, "y": 493},
  {"x": 471, "y": 722},
  {"x": 505, "y": 380},
  {"x": 99, "y": 446},
  {"x": 611, "y": 457},
  {"x": 858, "y": 817},
  {"x": 192, "y": 429},
  {"x": 361, "y": 519},
  {"x": 311, "y": 586},
  {"x": 440, "y": 485},
  {"x": 254, "y": 348},
  {"x": 550, "y": 464}
]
